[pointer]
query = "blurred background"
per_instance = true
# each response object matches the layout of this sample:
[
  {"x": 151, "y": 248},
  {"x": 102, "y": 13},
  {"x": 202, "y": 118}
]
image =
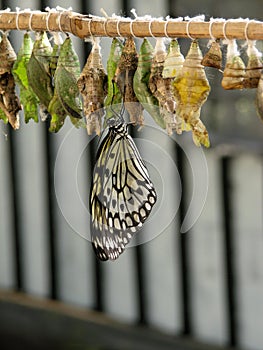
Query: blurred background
[{"x": 202, "y": 289}]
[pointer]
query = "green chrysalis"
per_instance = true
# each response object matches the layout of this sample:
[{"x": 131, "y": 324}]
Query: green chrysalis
[
  {"x": 66, "y": 75},
  {"x": 65, "y": 100},
  {"x": 38, "y": 69},
  {"x": 27, "y": 97},
  {"x": 55, "y": 108}
]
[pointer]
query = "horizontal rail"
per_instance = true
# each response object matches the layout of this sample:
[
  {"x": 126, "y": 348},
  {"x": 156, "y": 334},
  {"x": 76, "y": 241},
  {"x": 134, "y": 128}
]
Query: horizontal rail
[{"x": 84, "y": 26}]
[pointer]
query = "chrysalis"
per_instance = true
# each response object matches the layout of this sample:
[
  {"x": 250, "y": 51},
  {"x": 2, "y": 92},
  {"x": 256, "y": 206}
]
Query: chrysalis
[
  {"x": 173, "y": 64},
  {"x": 55, "y": 107},
  {"x": 259, "y": 98},
  {"x": 174, "y": 60},
  {"x": 38, "y": 70},
  {"x": 213, "y": 57},
  {"x": 161, "y": 88},
  {"x": 191, "y": 89},
  {"x": 113, "y": 92},
  {"x": 92, "y": 86},
  {"x": 254, "y": 66},
  {"x": 234, "y": 72},
  {"x": 124, "y": 77},
  {"x": 28, "y": 98},
  {"x": 141, "y": 80},
  {"x": 9, "y": 103},
  {"x": 65, "y": 79}
]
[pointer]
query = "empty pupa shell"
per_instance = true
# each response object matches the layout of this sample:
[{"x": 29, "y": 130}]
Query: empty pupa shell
[
  {"x": 174, "y": 60},
  {"x": 9, "y": 102},
  {"x": 191, "y": 90},
  {"x": 7, "y": 55},
  {"x": 113, "y": 92},
  {"x": 141, "y": 80},
  {"x": 259, "y": 98},
  {"x": 254, "y": 66},
  {"x": 234, "y": 72},
  {"x": 162, "y": 89},
  {"x": 91, "y": 84},
  {"x": 213, "y": 57},
  {"x": 126, "y": 69}
]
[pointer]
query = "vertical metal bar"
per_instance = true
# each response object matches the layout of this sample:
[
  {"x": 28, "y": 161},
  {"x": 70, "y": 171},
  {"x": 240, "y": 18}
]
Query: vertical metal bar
[
  {"x": 98, "y": 269},
  {"x": 184, "y": 238},
  {"x": 141, "y": 290},
  {"x": 126, "y": 6},
  {"x": 48, "y": 157},
  {"x": 229, "y": 256},
  {"x": 19, "y": 274},
  {"x": 171, "y": 7},
  {"x": 139, "y": 254},
  {"x": 99, "y": 302},
  {"x": 184, "y": 248},
  {"x": 140, "y": 270},
  {"x": 49, "y": 161}
]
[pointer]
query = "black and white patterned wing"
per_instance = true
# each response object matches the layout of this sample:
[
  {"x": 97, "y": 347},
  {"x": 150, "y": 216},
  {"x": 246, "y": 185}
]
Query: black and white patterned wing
[{"x": 122, "y": 194}]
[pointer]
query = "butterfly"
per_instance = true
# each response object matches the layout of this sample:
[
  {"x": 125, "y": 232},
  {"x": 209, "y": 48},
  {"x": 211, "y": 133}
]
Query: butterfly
[{"x": 122, "y": 193}]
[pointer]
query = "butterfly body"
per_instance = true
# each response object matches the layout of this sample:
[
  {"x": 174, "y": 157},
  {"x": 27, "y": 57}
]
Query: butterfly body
[{"x": 122, "y": 194}]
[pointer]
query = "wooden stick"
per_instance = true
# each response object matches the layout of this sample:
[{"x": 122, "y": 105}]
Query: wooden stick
[{"x": 84, "y": 26}]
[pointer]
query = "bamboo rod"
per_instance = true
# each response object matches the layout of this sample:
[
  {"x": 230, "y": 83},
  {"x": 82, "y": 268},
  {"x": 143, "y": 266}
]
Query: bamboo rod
[{"x": 84, "y": 26}]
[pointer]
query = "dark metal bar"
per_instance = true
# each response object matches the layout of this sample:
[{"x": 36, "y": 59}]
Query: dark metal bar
[
  {"x": 184, "y": 248},
  {"x": 19, "y": 273},
  {"x": 98, "y": 268},
  {"x": 98, "y": 265},
  {"x": 49, "y": 161},
  {"x": 126, "y": 6},
  {"x": 14, "y": 193},
  {"x": 139, "y": 253},
  {"x": 141, "y": 290},
  {"x": 229, "y": 253},
  {"x": 183, "y": 238}
]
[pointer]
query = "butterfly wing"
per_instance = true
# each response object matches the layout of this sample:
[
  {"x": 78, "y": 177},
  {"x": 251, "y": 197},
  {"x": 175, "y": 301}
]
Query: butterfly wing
[{"x": 122, "y": 194}]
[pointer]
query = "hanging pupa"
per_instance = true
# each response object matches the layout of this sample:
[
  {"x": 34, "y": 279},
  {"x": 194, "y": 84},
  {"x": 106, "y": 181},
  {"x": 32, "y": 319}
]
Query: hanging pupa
[
  {"x": 174, "y": 60},
  {"x": 38, "y": 70},
  {"x": 259, "y": 97},
  {"x": 57, "y": 42},
  {"x": 191, "y": 89},
  {"x": 213, "y": 57},
  {"x": 55, "y": 108},
  {"x": 126, "y": 68},
  {"x": 254, "y": 66},
  {"x": 114, "y": 96},
  {"x": 65, "y": 81},
  {"x": 141, "y": 81},
  {"x": 92, "y": 86},
  {"x": 9, "y": 102},
  {"x": 162, "y": 89},
  {"x": 173, "y": 64},
  {"x": 234, "y": 72},
  {"x": 27, "y": 96}
]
